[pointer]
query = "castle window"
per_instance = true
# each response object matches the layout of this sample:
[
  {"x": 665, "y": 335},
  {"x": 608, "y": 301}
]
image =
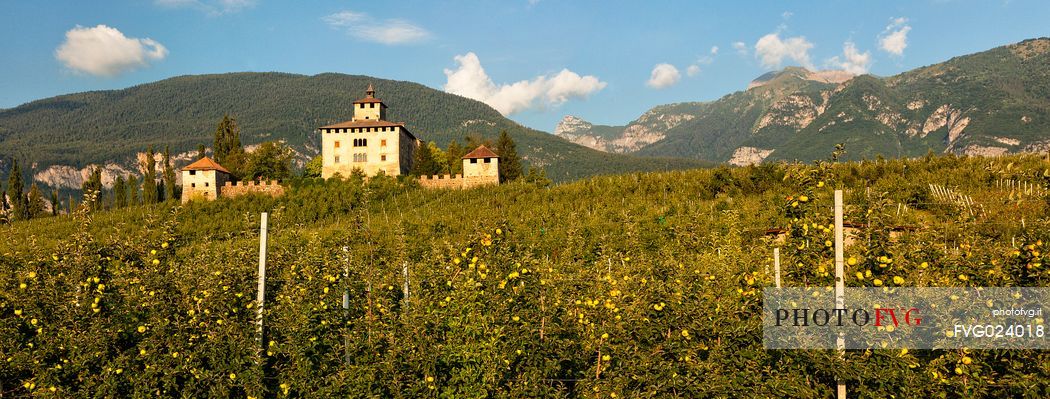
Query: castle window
[
  {"x": 205, "y": 184},
  {"x": 366, "y": 117},
  {"x": 361, "y": 157},
  {"x": 473, "y": 160},
  {"x": 371, "y": 105},
  {"x": 193, "y": 185},
  {"x": 488, "y": 160},
  {"x": 382, "y": 142},
  {"x": 382, "y": 157},
  {"x": 337, "y": 144},
  {"x": 336, "y": 159},
  {"x": 193, "y": 173}
]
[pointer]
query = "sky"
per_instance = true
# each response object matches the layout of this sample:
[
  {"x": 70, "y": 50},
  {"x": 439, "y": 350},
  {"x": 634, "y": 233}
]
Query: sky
[{"x": 535, "y": 61}]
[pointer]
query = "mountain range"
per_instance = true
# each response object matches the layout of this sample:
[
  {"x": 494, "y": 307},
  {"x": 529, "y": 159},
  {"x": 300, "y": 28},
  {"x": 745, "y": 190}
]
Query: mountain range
[{"x": 987, "y": 103}]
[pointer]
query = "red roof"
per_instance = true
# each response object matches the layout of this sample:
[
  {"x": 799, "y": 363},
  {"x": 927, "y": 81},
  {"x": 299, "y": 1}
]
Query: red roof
[
  {"x": 363, "y": 123},
  {"x": 206, "y": 164},
  {"x": 481, "y": 152}
]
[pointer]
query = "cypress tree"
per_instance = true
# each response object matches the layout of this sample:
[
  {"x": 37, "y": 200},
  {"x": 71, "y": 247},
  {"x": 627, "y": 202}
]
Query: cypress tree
[
  {"x": 35, "y": 202},
  {"x": 54, "y": 202},
  {"x": 120, "y": 193},
  {"x": 455, "y": 155},
  {"x": 509, "y": 163},
  {"x": 425, "y": 164},
  {"x": 169, "y": 176},
  {"x": 201, "y": 151},
  {"x": 133, "y": 190},
  {"x": 92, "y": 188},
  {"x": 15, "y": 187},
  {"x": 149, "y": 178},
  {"x": 227, "y": 139}
]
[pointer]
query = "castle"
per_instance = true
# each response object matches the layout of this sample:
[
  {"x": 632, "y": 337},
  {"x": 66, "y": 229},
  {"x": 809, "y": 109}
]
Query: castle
[
  {"x": 372, "y": 144},
  {"x": 206, "y": 179},
  {"x": 367, "y": 142}
]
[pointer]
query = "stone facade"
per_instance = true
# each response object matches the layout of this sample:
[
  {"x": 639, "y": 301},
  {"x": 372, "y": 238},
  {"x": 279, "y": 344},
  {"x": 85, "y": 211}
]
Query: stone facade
[
  {"x": 367, "y": 142},
  {"x": 202, "y": 184}
]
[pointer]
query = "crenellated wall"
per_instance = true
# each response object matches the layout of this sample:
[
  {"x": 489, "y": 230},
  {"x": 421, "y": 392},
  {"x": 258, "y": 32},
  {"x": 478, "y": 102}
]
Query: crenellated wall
[
  {"x": 456, "y": 181},
  {"x": 233, "y": 189}
]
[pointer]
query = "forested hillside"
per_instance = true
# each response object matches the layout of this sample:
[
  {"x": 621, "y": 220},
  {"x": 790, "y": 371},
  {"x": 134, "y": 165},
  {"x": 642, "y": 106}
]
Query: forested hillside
[
  {"x": 635, "y": 285},
  {"x": 113, "y": 125}
]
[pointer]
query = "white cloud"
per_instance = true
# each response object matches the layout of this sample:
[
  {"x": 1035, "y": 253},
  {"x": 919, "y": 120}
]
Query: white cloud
[
  {"x": 210, "y": 7},
  {"x": 105, "y": 51},
  {"x": 786, "y": 14},
  {"x": 389, "y": 31},
  {"x": 663, "y": 76},
  {"x": 693, "y": 70},
  {"x": 714, "y": 50},
  {"x": 852, "y": 60},
  {"x": 771, "y": 50},
  {"x": 470, "y": 80},
  {"x": 894, "y": 39},
  {"x": 740, "y": 47}
]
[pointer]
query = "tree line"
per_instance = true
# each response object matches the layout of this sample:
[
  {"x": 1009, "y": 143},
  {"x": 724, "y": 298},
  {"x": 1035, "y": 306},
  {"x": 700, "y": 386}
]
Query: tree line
[
  {"x": 431, "y": 160},
  {"x": 270, "y": 161}
]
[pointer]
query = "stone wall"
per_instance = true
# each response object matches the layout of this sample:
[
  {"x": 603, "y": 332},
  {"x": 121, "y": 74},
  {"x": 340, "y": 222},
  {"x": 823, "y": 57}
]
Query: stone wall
[
  {"x": 441, "y": 181},
  {"x": 234, "y": 189},
  {"x": 456, "y": 181}
]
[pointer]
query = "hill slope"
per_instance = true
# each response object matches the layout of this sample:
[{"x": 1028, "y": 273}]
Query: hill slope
[
  {"x": 112, "y": 126},
  {"x": 988, "y": 103}
]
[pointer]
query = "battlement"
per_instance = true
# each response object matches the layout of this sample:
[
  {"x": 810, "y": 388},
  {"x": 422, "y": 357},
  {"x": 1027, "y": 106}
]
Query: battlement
[
  {"x": 253, "y": 183},
  {"x": 456, "y": 181},
  {"x": 234, "y": 189}
]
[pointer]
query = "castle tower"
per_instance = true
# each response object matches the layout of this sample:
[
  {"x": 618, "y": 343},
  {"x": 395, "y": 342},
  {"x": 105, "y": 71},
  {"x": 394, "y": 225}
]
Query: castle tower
[
  {"x": 480, "y": 167},
  {"x": 203, "y": 180},
  {"x": 369, "y": 108},
  {"x": 367, "y": 142}
]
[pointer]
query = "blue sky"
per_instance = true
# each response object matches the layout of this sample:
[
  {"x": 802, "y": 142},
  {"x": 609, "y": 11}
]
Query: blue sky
[{"x": 605, "y": 61}]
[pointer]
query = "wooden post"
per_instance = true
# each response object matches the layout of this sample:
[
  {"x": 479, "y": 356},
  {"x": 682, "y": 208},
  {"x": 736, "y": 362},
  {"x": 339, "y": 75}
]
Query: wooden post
[
  {"x": 346, "y": 299},
  {"x": 840, "y": 285},
  {"x": 776, "y": 265},
  {"x": 260, "y": 298},
  {"x": 404, "y": 271}
]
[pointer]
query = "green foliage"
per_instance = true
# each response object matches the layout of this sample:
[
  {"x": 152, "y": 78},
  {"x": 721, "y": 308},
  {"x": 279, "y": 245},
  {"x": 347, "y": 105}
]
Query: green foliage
[
  {"x": 92, "y": 189},
  {"x": 227, "y": 139},
  {"x": 270, "y": 161},
  {"x": 425, "y": 163},
  {"x": 170, "y": 186},
  {"x": 150, "y": 193},
  {"x": 636, "y": 285},
  {"x": 15, "y": 186},
  {"x": 313, "y": 167},
  {"x": 120, "y": 192},
  {"x": 454, "y": 156},
  {"x": 509, "y": 163},
  {"x": 35, "y": 203}
]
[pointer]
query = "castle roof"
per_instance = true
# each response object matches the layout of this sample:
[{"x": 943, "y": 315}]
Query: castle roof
[
  {"x": 481, "y": 152},
  {"x": 370, "y": 100},
  {"x": 370, "y": 97},
  {"x": 368, "y": 123},
  {"x": 363, "y": 123},
  {"x": 206, "y": 163}
]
